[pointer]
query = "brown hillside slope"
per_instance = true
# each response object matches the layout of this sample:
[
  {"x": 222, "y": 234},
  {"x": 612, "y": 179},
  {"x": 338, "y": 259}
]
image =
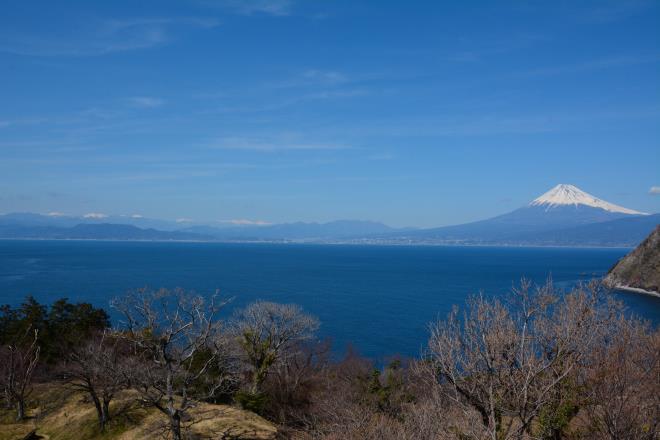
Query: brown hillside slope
[
  {"x": 640, "y": 268},
  {"x": 61, "y": 414}
]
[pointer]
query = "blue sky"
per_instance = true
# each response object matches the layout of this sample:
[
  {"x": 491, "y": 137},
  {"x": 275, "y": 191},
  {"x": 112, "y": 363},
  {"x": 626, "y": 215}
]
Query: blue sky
[{"x": 410, "y": 113}]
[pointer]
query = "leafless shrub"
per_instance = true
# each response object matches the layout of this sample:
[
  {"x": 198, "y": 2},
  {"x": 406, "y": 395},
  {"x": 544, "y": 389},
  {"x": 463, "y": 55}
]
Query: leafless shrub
[
  {"x": 293, "y": 382},
  {"x": 268, "y": 334},
  {"x": 96, "y": 367},
  {"x": 539, "y": 365},
  {"x": 357, "y": 400},
  {"x": 512, "y": 363},
  {"x": 179, "y": 356},
  {"x": 19, "y": 360},
  {"x": 622, "y": 385}
]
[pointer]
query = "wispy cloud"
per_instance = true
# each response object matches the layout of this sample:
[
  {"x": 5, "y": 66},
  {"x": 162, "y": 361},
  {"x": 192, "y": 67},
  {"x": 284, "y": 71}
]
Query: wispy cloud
[
  {"x": 273, "y": 104},
  {"x": 145, "y": 102},
  {"x": 493, "y": 123},
  {"x": 598, "y": 12},
  {"x": 165, "y": 176},
  {"x": 246, "y": 222},
  {"x": 95, "y": 215},
  {"x": 272, "y": 145},
  {"x": 99, "y": 38},
  {"x": 324, "y": 76},
  {"x": 250, "y": 7},
  {"x": 382, "y": 156},
  {"x": 334, "y": 94},
  {"x": 614, "y": 10},
  {"x": 586, "y": 66},
  {"x": 301, "y": 88},
  {"x": 472, "y": 49},
  {"x": 655, "y": 190},
  {"x": 315, "y": 78}
]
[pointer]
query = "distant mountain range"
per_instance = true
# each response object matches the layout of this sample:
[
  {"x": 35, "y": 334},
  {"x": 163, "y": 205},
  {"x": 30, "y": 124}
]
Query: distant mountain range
[
  {"x": 102, "y": 231},
  {"x": 340, "y": 229},
  {"x": 563, "y": 216},
  {"x": 37, "y": 226}
]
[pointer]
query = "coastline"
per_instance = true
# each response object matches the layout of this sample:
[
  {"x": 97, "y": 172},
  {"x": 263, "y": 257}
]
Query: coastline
[
  {"x": 637, "y": 290},
  {"x": 327, "y": 243}
]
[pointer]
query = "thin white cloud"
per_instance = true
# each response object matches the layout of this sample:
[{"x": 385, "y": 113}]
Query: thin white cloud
[
  {"x": 274, "y": 105},
  {"x": 496, "y": 124},
  {"x": 586, "y": 66},
  {"x": 95, "y": 215},
  {"x": 145, "y": 102},
  {"x": 247, "y": 222},
  {"x": 271, "y": 145},
  {"x": 314, "y": 78},
  {"x": 614, "y": 10},
  {"x": 324, "y": 76},
  {"x": 251, "y": 7},
  {"x": 655, "y": 190},
  {"x": 184, "y": 220},
  {"x": 333, "y": 94},
  {"x": 382, "y": 156},
  {"x": 98, "y": 38},
  {"x": 56, "y": 214},
  {"x": 137, "y": 216}
]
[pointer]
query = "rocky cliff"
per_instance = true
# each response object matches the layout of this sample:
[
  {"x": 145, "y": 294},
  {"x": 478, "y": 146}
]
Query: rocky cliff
[{"x": 639, "y": 269}]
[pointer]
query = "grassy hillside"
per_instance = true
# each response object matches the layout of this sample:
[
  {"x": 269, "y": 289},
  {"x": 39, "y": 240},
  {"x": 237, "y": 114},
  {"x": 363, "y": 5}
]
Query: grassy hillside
[{"x": 59, "y": 413}]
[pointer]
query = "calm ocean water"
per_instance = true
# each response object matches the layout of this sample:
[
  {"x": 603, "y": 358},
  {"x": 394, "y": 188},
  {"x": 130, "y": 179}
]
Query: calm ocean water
[{"x": 377, "y": 298}]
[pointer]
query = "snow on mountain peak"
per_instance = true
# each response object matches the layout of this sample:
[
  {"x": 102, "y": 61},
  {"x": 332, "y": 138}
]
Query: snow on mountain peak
[{"x": 564, "y": 194}]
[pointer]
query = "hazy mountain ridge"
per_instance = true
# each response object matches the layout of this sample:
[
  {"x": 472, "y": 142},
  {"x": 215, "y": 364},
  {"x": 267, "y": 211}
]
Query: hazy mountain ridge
[
  {"x": 563, "y": 216},
  {"x": 624, "y": 232},
  {"x": 527, "y": 220},
  {"x": 67, "y": 221},
  {"x": 103, "y": 231},
  {"x": 36, "y": 226},
  {"x": 296, "y": 231}
]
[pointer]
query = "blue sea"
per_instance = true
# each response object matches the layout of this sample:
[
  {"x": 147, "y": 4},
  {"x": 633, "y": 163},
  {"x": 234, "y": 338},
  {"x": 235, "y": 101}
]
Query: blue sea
[{"x": 378, "y": 299}]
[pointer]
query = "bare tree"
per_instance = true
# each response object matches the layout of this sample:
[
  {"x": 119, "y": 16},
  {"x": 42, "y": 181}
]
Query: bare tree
[
  {"x": 511, "y": 362},
  {"x": 179, "y": 356},
  {"x": 623, "y": 385},
  {"x": 95, "y": 367},
  {"x": 20, "y": 358},
  {"x": 268, "y": 333},
  {"x": 294, "y": 380}
]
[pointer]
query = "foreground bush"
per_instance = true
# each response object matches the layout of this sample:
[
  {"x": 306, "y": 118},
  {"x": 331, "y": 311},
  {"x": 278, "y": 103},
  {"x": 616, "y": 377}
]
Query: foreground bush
[{"x": 539, "y": 364}]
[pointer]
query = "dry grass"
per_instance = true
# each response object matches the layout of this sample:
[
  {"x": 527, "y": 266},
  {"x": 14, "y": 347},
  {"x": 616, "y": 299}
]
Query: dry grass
[{"x": 58, "y": 413}]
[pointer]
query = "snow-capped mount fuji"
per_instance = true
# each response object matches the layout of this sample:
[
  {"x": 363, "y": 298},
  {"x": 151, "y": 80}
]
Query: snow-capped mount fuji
[
  {"x": 565, "y": 195},
  {"x": 563, "y": 206},
  {"x": 564, "y": 215}
]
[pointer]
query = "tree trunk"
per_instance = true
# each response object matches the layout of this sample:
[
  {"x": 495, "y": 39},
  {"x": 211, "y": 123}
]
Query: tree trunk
[
  {"x": 20, "y": 409},
  {"x": 106, "y": 412},
  {"x": 255, "y": 387},
  {"x": 9, "y": 402},
  {"x": 100, "y": 415},
  {"x": 175, "y": 426}
]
